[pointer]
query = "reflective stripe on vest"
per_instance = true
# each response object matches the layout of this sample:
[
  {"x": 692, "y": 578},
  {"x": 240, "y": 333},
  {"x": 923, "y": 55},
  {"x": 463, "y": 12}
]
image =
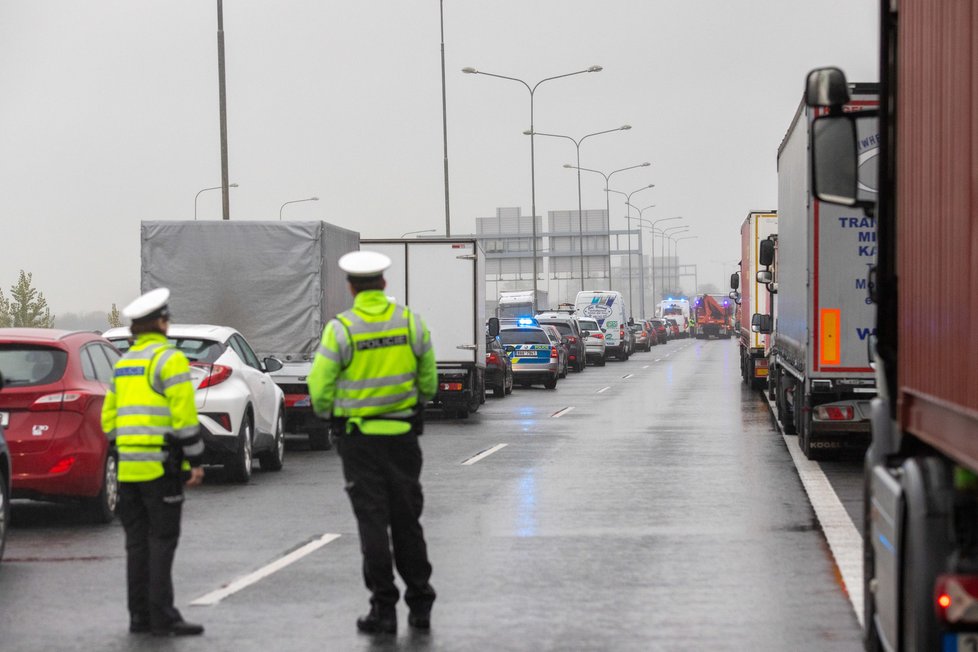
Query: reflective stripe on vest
[
  {"x": 380, "y": 372},
  {"x": 143, "y": 417}
]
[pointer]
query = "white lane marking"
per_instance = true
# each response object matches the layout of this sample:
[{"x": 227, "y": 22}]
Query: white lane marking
[
  {"x": 843, "y": 537},
  {"x": 603, "y": 390},
  {"x": 214, "y": 597},
  {"x": 484, "y": 454},
  {"x": 560, "y": 413},
  {"x": 628, "y": 376},
  {"x": 658, "y": 360},
  {"x": 645, "y": 367}
]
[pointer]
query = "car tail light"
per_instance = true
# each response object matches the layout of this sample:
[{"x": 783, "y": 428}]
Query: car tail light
[
  {"x": 834, "y": 412},
  {"x": 63, "y": 466},
  {"x": 621, "y": 333},
  {"x": 450, "y": 387},
  {"x": 956, "y": 599},
  {"x": 553, "y": 351},
  {"x": 598, "y": 336},
  {"x": 492, "y": 358},
  {"x": 216, "y": 374},
  {"x": 73, "y": 400}
]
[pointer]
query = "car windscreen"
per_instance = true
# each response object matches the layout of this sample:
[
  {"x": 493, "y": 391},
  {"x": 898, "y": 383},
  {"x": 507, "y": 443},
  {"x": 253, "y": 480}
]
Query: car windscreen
[
  {"x": 523, "y": 336},
  {"x": 199, "y": 350},
  {"x": 589, "y": 325},
  {"x": 26, "y": 365}
]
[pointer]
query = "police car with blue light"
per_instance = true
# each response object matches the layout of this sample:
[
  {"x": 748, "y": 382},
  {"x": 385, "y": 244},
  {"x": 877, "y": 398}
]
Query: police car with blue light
[{"x": 535, "y": 360}]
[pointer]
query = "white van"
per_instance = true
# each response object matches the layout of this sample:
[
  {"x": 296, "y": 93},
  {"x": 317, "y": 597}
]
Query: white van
[{"x": 608, "y": 309}]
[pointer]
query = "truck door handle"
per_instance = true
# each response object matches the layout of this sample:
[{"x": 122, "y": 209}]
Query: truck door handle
[{"x": 467, "y": 347}]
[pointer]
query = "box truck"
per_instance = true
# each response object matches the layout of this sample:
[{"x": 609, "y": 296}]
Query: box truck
[
  {"x": 277, "y": 283},
  {"x": 752, "y": 297},
  {"x": 921, "y": 499},
  {"x": 519, "y": 303},
  {"x": 819, "y": 360},
  {"x": 444, "y": 280}
]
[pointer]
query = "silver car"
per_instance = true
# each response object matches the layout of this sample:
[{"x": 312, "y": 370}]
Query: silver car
[{"x": 594, "y": 344}]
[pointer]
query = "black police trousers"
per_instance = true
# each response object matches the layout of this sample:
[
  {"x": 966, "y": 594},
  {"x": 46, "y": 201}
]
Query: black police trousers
[
  {"x": 150, "y": 513},
  {"x": 382, "y": 479}
]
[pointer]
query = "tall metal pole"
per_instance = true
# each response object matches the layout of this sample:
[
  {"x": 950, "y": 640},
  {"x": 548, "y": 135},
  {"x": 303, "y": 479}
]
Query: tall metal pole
[
  {"x": 533, "y": 181},
  {"x": 225, "y": 191},
  {"x": 580, "y": 218},
  {"x": 607, "y": 200},
  {"x": 444, "y": 117}
]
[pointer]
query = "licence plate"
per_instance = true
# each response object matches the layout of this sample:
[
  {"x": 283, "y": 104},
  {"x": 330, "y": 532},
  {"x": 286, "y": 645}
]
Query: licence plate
[
  {"x": 961, "y": 642},
  {"x": 526, "y": 354},
  {"x": 4, "y": 419}
]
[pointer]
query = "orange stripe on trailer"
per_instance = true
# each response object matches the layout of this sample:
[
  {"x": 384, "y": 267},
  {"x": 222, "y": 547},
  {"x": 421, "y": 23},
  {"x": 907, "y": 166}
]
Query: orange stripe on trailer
[{"x": 830, "y": 324}]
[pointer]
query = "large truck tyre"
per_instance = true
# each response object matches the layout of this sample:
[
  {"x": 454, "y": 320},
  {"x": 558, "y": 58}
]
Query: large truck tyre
[
  {"x": 319, "y": 438},
  {"x": 782, "y": 384},
  {"x": 871, "y": 639},
  {"x": 803, "y": 426},
  {"x": 926, "y": 546}
]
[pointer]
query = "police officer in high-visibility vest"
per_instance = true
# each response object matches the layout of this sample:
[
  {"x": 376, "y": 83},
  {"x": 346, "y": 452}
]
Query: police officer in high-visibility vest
[
  {"x": 374, "y": 370},
  {"x": 150, "y": 417}
]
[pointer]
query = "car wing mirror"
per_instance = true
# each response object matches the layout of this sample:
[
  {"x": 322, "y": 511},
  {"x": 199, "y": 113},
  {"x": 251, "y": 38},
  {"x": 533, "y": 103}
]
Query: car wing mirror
[{"x": 272, "y": 364}]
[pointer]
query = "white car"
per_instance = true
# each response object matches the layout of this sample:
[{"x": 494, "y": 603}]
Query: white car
[{"x": 241, "y": 409}]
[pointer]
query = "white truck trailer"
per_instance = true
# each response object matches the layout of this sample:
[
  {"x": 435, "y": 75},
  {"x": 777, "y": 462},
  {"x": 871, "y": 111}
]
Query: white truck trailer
[
  {"x": 519, "y": 303},
  {"x": 444, "y": 280},
  {"x": 819, "y": 359},
  {"x": 277, "y": 283}
]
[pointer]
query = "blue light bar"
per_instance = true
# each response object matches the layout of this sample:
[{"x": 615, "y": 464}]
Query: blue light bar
[{"x": 526, "y": 321}]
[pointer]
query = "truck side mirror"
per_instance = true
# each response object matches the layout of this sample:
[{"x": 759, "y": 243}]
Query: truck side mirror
[
  {"x": 734, "y": 281},
  {"x": 761, "y": 323},
  {"x": 631, "y": 321},
  {"x": 765, "y": 276},
  {"x": 826, "y": 87},
  {"x": 493, "y": 326},
  {"x": 734, "y": 296},
  {"x": 765, "y": 254},
  {"x": 835, "y": 159}
]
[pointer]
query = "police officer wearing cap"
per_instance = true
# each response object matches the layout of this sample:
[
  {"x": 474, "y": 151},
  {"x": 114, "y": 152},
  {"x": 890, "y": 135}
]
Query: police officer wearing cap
[
  {"x": 149, "y": 416},
  {"x": 371, "y": 376}
]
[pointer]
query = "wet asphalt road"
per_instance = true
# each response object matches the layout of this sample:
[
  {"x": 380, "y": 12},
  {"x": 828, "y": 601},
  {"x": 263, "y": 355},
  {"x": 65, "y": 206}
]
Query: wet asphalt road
[{"x": 663, "y": 513}]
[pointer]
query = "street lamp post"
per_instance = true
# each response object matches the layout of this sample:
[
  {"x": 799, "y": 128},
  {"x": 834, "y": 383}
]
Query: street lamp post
[
  {"x": 294, "y": 201},
  {"x": 533, "y": 186},
  {"x": 676, "y": 244},
  {"x": 444, "y": 116},
  {"x": 641, "y": 255},
  {"x": 607, "y": 199},
  {"x": 223, "y": 108},
  {"x": 665, "y": 234},
  {"x": 404, "y": 235},
  {"x": 628, "y": 205},
  {"x": 233, "y": 185},
  {"x": 661, "y": 219},
  {"x": 577, "y": 145}
]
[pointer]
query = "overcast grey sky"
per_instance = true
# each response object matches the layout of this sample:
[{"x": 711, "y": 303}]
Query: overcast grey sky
[{"x": 109, "y": 115}]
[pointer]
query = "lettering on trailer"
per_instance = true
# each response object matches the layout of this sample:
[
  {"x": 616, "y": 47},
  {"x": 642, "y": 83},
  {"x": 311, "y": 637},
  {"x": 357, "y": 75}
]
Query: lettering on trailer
[
  {"x": 867, "y": 233},
  {"x": 863, "y": 333}
]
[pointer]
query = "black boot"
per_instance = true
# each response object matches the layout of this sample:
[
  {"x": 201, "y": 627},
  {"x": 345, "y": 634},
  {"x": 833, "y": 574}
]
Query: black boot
[
  {"x": 380, "y": 620},
  {"x": 420, "y": 619}
]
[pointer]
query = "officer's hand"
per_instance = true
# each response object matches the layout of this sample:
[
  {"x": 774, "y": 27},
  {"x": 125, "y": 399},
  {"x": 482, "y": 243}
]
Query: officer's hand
[{"x": 196, "y": 476}]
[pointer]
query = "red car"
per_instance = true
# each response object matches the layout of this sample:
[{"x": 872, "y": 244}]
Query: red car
[{"x": 50, "y": 409}]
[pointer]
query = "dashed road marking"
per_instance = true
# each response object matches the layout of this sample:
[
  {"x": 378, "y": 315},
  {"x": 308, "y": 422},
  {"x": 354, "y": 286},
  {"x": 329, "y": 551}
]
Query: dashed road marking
[
  {"x": 484, "y": 454},
  {"x": 645, "y": 367},
  {"x": 214, "y": 597},
  {"x": 628, "y": 375},
  {"x": 603, "y": 390},
  {"x": 658, "y": 360},
  {"x": 560, "y": 413}
]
